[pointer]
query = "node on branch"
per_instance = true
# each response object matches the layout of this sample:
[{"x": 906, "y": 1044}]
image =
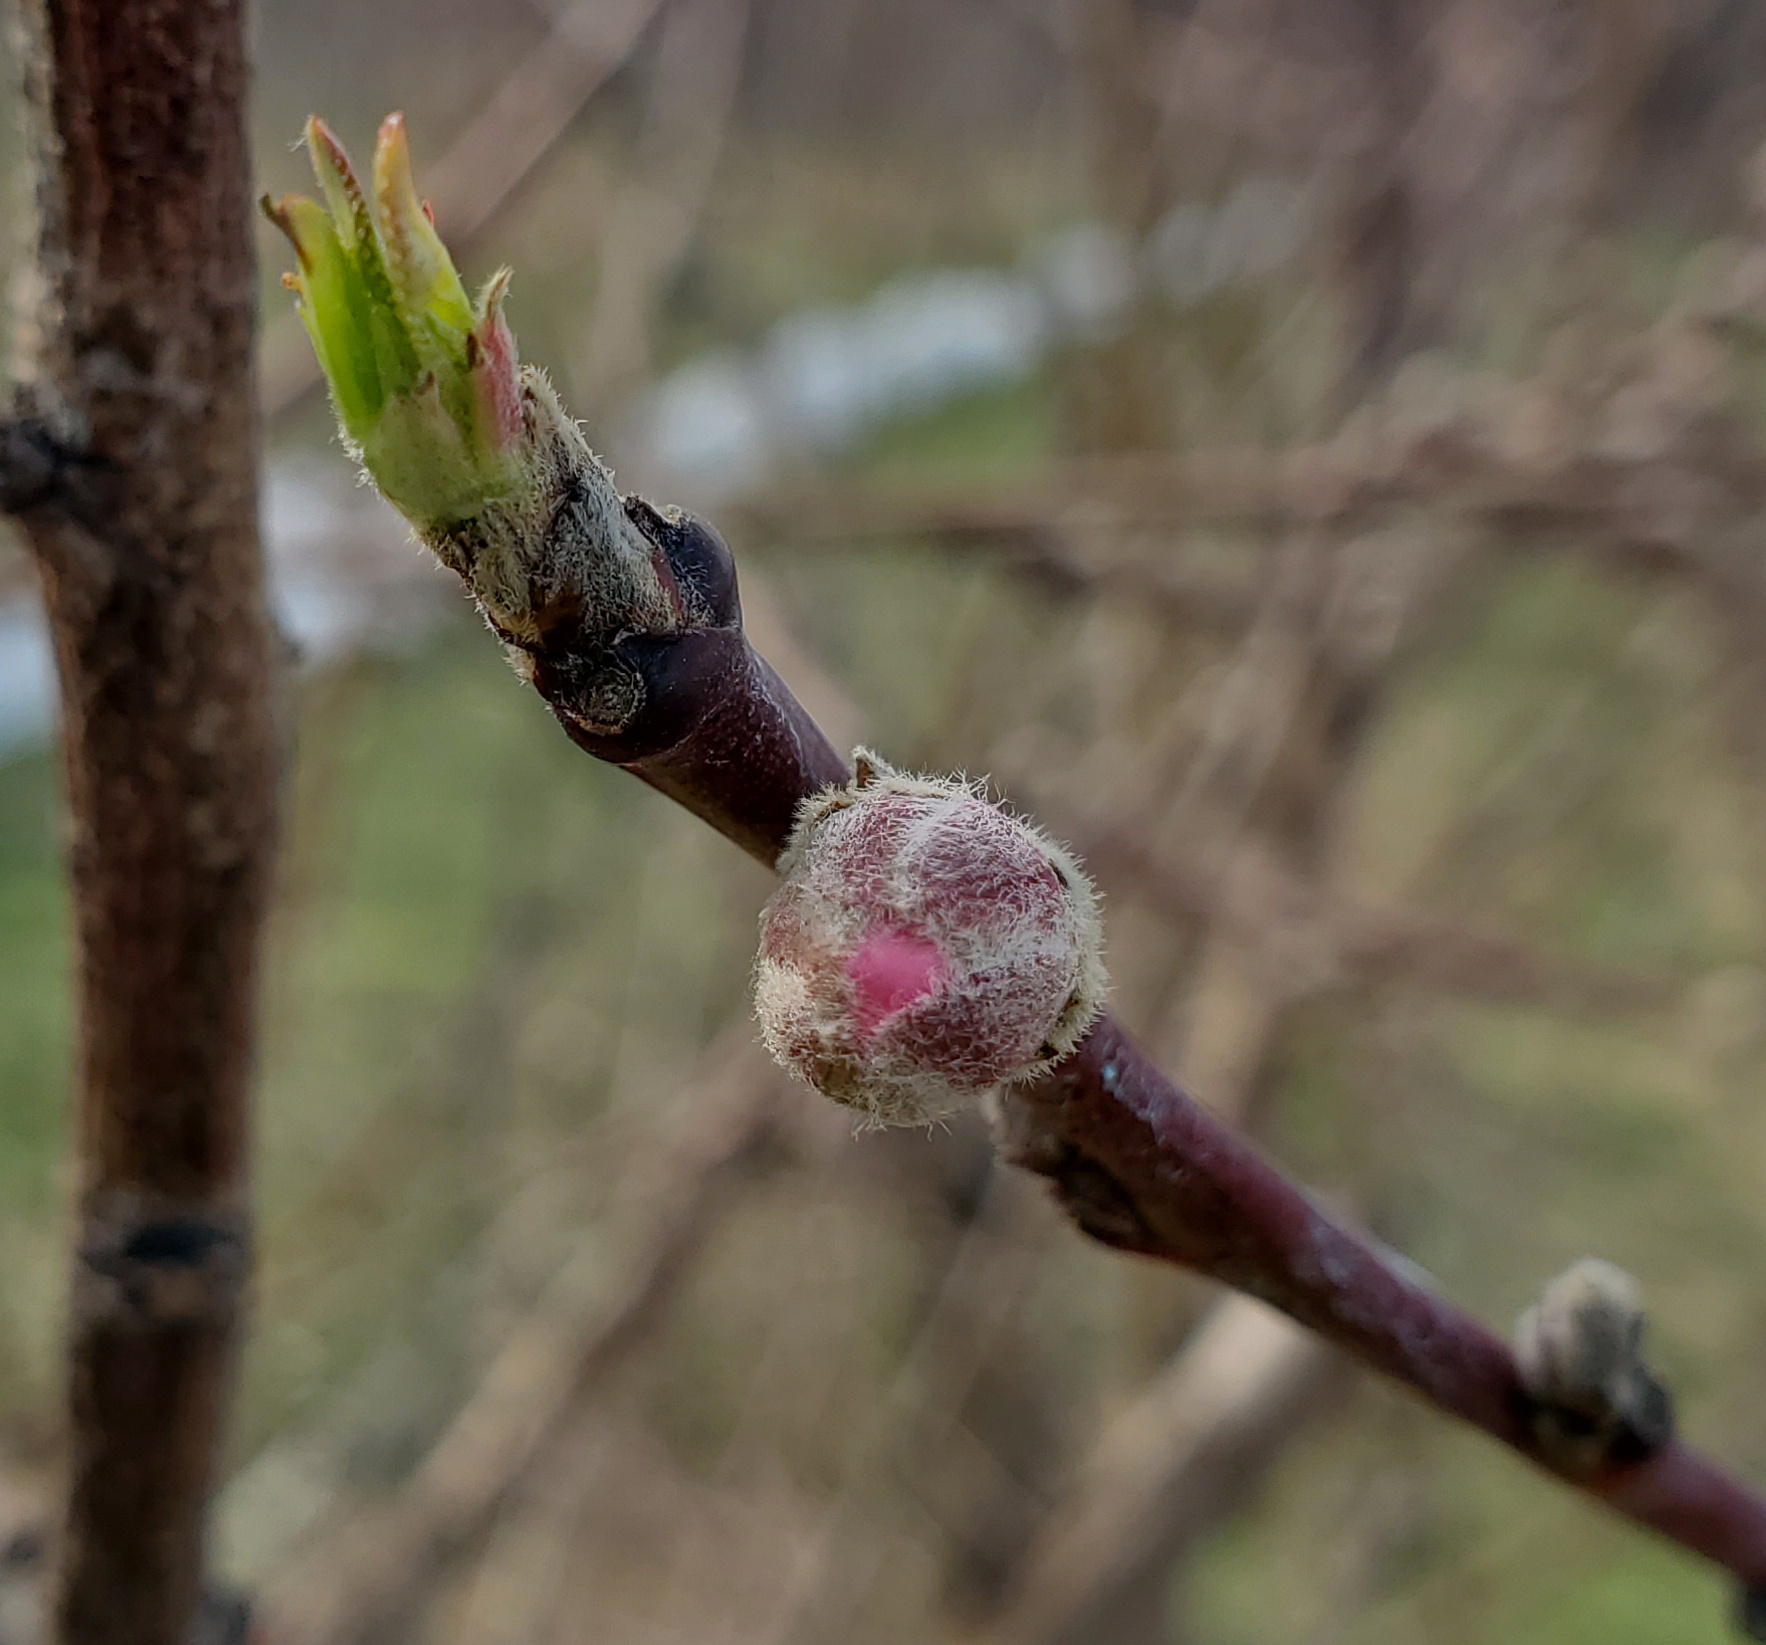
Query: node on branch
[{"x": 1580, "y": 1353}]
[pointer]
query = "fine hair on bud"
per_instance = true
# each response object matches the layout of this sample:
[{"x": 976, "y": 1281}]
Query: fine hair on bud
[
  {"x": 925, "y": 947},
  {"x": 1580, "y": 1354},
  {"x": 475, "y": 450}
]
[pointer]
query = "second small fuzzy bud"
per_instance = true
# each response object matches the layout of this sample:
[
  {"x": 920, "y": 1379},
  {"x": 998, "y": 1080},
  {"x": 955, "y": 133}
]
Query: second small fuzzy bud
[
  {"x": 925, "y": 948},
  {"x": 1579, "y": 1351}
]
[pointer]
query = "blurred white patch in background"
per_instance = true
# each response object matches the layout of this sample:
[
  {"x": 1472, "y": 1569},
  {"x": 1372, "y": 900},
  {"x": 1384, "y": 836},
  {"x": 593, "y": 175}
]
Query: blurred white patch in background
[
  {"x": 824, "y": 378},
  {"x": 1086, "y": 276},
  {"x": 707, "y": 418},
  {"x": 27, "y": 675},
  {"x": 1198, "y": 250},
  {"x": 344, "y": 574},
  {"x": 345, "y": 577}
]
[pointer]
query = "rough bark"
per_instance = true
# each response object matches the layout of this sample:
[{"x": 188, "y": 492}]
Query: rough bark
[{"x": 137, "y": 381}]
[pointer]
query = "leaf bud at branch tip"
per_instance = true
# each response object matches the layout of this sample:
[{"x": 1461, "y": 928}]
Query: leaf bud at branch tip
[
  {"x": 473, "y": 449},
  {"x": 924, "y": 948},
  {"x": 425, "y": 381}
]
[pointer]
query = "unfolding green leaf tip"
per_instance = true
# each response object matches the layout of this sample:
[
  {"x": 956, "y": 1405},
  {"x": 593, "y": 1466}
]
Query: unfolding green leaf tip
[{"x": 425, "y": 382}]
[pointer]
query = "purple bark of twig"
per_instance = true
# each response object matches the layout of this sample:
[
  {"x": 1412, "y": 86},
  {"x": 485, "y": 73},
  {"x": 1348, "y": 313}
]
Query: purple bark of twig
[
  {"x": 1134, "y": 1160},
  {"x": 1141, "y": 1165},
  {"x": 718, "y": 731}
]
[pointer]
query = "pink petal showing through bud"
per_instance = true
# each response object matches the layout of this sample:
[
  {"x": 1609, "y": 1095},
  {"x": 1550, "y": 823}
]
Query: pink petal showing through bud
[
  {"x": 889, "y": 971},
  {"x": 923, "y": 948},
  {"x": 490, "y": 357}
]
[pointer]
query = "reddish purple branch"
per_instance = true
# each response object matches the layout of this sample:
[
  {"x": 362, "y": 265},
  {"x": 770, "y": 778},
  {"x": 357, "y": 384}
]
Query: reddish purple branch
[
  {"x": 742, "y": 764},
  {"x": 1141, "y": 1165},
  {"x": 1135, "y": 1161}
]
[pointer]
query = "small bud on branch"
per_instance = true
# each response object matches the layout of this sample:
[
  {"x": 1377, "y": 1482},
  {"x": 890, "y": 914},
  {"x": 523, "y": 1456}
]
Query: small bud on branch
[
  {"x": 1580, "y": 1353},
  {"x": 925, "y": 948}
]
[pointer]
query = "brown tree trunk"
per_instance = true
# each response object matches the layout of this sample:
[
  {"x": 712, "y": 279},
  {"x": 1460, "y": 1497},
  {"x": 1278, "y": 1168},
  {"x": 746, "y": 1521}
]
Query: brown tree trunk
[{"x": 142, "y": 513}]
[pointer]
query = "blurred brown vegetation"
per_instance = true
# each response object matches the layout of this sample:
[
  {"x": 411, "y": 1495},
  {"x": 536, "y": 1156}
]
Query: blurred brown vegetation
[{"x": 1382, "y": 618}]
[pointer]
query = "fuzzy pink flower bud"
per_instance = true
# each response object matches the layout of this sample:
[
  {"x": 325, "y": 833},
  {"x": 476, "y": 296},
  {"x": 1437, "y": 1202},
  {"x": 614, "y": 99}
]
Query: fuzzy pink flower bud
[{"x": 925, "y": 948}]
